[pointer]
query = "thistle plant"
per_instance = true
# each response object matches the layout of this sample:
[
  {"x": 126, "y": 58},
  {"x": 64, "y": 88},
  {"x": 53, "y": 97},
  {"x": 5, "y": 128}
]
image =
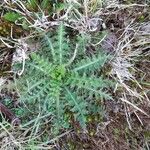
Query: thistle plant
[{"x": 60, "y": 79}]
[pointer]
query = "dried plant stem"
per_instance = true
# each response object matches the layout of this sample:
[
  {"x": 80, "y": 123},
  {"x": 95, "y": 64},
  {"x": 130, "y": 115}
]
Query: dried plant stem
[{"x": 9, "y": 115}]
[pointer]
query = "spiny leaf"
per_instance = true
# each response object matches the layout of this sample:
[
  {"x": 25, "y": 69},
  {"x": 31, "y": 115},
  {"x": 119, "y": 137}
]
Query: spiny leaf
[
  {"x": 60, "y": 39},
  {"x": 78, "y": 107},
  {"x": 91, "y": 64}
]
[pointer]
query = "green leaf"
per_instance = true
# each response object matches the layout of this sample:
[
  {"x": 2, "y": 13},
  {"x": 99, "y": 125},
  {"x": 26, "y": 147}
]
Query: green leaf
[
  {"x": 91, "y": 64},
  {"x": 60, "y": 43},
  {"x": 48, "y": 43},
  {"x": 45, "y": 4},
  {"x": 32, "y": 3},
  {"x": 78, "y": 107},
  {"x": 11, "y": 16},
  {"x": 60, "y": 7}
]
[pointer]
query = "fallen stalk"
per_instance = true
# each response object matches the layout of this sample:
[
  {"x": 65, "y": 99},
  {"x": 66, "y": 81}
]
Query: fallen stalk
[{"x": 14, "y": 120}]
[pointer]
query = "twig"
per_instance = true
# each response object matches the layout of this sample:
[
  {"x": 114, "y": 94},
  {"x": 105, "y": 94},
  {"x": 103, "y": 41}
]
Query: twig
[{"x": 9, "y": 115}]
